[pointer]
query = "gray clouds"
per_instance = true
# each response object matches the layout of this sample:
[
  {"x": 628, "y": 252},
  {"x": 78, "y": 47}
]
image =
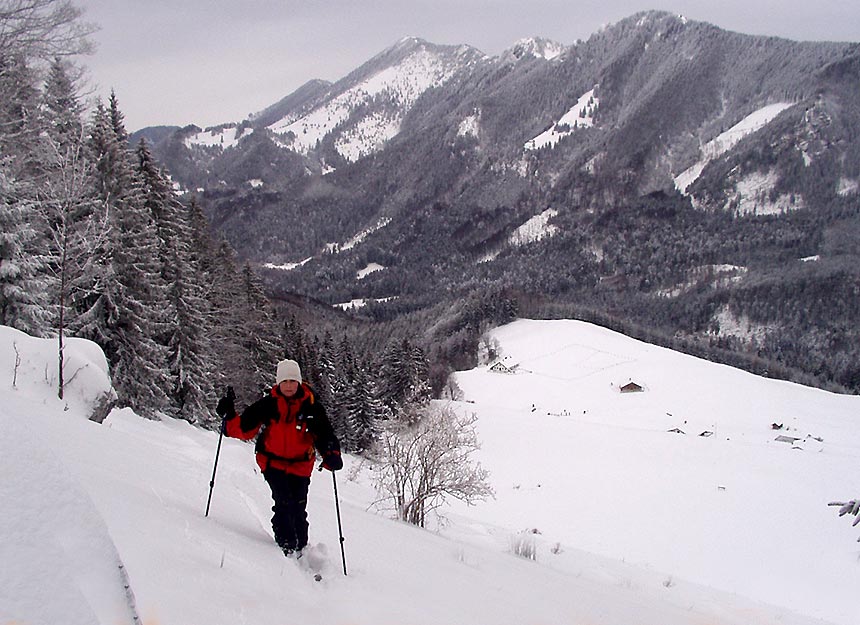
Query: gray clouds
[{"x": 209, "y": 61}]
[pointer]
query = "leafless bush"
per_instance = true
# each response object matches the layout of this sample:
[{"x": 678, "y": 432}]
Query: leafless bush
[{"x": 429, "y": 460}]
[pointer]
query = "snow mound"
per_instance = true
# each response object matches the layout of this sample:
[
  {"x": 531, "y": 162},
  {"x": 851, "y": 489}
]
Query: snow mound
[
  {"x": 30, "y": 368},
  {"x": 50, "y": 530}
]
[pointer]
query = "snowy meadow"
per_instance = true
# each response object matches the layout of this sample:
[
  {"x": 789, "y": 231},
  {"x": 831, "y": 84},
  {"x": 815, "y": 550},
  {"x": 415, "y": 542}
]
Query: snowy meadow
[{"x": 699, "y": 499}]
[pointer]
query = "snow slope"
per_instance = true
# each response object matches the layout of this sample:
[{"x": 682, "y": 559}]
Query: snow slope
[
  {"x": 619, "y": 503},
  {"x": 580, "y": 115},
  {"x": 595, "y": 468},
  {"x": 222, "y": 136},
  {"x": 727, "y": 140}
]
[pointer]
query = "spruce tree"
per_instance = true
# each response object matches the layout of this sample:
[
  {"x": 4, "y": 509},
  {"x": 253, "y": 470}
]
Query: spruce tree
[
  {"x": 403, "y": 376},
  {"x": 132, "y": 312},
  {"x": 259, "y": 329},
  {"x": 342, "y": 398},
  {"x": 22, "y": 303},
  {"x": 189, "y": 347},
  {"x": 326, "y": 382},
  {"x": 23, "y": 265},
  {"x": 94, "y": 303},
  {"x": 366, "y": 410},
  {"x": 187, "y": 335},
  {"x": 295, "y": 343},
  {"x": 241, "y": 329}
]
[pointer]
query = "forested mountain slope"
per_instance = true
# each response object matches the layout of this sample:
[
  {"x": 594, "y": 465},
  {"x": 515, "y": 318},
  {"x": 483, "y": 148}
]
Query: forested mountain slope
[{"x": 664, "y": 173}]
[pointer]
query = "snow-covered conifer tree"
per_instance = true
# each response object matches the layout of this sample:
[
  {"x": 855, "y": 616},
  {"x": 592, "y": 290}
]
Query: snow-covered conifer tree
[
  {"x": 295, "y": 344},
  {"x": 326, "y": 382},
  {"x": 132, "y": 314},
  {"x": 244, "y": 334},
  {"x": 403, "y": 377},
  {"x": 23, "y": 265},
  {"x": 187, "y": 335},
  {"x": 366, "y": 411},
  {"x": 190, "y": 358},
  {"x": 259, "y": 331}
]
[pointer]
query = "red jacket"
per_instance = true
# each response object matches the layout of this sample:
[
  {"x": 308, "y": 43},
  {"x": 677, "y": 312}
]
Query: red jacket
[{"x": 289, "y": 428}]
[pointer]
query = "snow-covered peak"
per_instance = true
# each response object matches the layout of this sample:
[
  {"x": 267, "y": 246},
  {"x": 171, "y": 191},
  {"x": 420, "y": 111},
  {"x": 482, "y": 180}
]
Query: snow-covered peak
[
  {"x": 408, "y": 42},
  {"x": 537, "y": 47},
  {"x": 366, "y": 108},
  {"x": 658, "y": 18}
]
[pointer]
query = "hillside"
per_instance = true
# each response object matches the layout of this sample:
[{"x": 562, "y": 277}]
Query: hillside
[
  {"x": 631, "y": 523},
  {"x": 698, "y": 182}
]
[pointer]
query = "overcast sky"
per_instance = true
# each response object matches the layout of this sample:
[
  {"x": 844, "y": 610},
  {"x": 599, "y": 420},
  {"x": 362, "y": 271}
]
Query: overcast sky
[{"x": 206, "y": 62}]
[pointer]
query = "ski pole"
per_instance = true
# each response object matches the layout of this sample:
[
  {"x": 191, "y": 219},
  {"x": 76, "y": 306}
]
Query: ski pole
[
  {"x": 339, "y": 527},
  {"x": 232, "y": 396}
]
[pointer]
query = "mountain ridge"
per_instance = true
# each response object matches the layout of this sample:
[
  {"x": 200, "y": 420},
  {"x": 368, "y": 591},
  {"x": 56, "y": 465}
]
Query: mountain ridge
[{"x": 661, "y": 145}]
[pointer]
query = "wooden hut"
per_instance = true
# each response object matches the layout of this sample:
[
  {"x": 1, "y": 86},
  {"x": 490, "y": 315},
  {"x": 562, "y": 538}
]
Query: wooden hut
[{"x": 632, "y": 387}]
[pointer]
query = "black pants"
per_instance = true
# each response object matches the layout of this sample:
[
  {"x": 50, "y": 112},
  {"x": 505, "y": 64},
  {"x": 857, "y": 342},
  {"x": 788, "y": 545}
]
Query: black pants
[{"x": 290, "y": 519}]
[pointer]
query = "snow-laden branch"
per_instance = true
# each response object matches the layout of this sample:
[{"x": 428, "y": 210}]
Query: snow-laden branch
[{"x": 849, "y": 507}]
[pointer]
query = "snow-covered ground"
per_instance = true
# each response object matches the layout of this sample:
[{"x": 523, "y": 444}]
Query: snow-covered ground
[
  {"x": 632, "y": 524},
  {"x": 752, "y": 196},
  {"x": 724, "y": 504},
  {"x": 288, "y": 266}
]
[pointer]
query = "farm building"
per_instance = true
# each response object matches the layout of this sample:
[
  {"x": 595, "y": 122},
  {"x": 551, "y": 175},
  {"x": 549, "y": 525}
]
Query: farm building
[
  {"x": 500, "y": 367},
  {"x": 632, "y": 387}
]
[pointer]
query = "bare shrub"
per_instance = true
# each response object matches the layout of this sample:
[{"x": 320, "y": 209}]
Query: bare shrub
[{"x": 428, "y": 459}]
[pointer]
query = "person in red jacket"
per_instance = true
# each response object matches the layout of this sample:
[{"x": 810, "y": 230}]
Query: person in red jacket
[{"x": 290, "y": 424}]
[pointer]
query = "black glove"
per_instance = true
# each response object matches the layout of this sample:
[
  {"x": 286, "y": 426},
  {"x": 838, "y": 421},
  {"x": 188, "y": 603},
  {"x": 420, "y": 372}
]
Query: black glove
[
  {"x": 332, "y": 460},
  {"x": 225, "y": 408}
]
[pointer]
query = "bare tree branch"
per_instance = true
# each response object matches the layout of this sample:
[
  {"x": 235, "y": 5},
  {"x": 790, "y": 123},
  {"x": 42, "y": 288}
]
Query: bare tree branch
[{"x": 43, "y": 29}]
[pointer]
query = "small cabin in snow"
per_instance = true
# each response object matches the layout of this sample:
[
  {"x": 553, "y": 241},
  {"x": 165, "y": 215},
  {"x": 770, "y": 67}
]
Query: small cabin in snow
[
  {"x": 500, "y": 367},
  {"x": 631, "y": 387}
]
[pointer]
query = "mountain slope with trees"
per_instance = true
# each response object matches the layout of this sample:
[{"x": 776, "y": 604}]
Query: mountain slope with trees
[{"x": 697, "y": 183}]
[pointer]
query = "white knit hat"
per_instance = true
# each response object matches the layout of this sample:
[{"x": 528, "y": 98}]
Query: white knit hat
[{"x": 289, "y": 370}]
